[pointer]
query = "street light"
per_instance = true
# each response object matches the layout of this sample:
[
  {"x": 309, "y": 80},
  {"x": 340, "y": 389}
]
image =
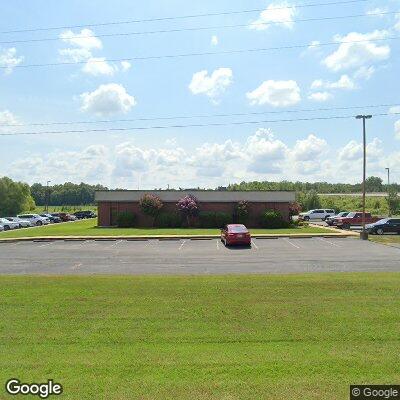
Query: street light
[
  {"x": 364, "y": 234},
  {"x": 47, "y": 196}
]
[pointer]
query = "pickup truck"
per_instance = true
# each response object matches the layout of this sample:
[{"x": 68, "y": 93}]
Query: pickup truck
[{"x": 353, "y": 219}]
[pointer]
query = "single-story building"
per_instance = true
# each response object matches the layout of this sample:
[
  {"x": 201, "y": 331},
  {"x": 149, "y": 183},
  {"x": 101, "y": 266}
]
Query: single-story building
[{"x": 111, "y": 202}]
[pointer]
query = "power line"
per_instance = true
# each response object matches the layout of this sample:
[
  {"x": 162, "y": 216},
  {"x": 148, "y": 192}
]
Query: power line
[
  {"x": 208, "y": 53},
  {"x": 340, "y": 17},
  {"x": 224, "y": 13},
  {"x": 201, "y": 116},
  {"x": 216, "y": 124}
]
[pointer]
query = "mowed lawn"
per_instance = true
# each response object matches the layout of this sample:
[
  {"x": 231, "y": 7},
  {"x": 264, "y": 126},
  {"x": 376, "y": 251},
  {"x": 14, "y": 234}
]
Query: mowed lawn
[
  {"x": 89, "y": 227},
  {"x": 216, "y": 337}
]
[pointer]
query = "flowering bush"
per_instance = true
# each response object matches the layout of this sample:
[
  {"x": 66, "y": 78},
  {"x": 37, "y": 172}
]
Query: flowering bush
[
  {"x": 242, "y": 211},
  {"x": 188, "y": 206},
  {"x": 151, "y": 205},
  {"x": 294, "y": 209}
]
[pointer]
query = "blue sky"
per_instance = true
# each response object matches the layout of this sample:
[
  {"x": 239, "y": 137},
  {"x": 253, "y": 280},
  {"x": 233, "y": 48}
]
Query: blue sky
[{"x": 339, "y": 75}]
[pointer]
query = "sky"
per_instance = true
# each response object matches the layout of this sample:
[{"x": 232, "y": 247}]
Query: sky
[{"x": 211, "y": 117}]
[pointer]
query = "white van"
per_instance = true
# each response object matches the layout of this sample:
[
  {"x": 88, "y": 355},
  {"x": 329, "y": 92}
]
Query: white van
[{"x": 321, "y": 214}]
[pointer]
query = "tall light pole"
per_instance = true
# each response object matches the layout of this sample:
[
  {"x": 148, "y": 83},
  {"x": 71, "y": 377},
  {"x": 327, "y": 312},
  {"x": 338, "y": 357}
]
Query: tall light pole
[
  {"x": 364, "y": 234},
  {"x": 47, "y": 196},
  {"x": 388, "y": 187}
]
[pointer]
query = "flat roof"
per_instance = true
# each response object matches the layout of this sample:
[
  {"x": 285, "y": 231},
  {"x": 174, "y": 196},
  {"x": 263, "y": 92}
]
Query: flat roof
[{"x": 201, "y": 195}]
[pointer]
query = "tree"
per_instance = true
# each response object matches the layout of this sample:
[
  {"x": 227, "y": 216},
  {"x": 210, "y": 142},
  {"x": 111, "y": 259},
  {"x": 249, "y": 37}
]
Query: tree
[
  {"x": 188, "y": 206},
  {"x": 15, "y": 197},
  {"x": 151, "y": 205},
  {"x": 393, "y": 201},
  {"x": 294, "y": 209},
  {"x": 373, "y": 184},
  {"x": 309, "y": 200},
  {"x": 242, "y": 211}
]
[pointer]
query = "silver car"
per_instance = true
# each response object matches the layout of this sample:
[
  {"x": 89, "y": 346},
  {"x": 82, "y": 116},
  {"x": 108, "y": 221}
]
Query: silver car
[
  {"x": 7, "y": 225},
  {"x": 23, "y": 223}
]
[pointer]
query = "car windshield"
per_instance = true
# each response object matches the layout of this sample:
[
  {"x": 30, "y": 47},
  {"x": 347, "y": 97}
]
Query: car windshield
[
  {"x": 238, "y": 229},
  {"x": 351, "y": 215},
  {"x": 343, "y": 214},
  {"x": 382, "y": 221}
]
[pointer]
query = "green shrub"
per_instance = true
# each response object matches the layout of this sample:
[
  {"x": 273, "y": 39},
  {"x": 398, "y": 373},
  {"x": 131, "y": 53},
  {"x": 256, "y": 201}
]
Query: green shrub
[
  {"x": 273, "y": 220},
  {"x": 241, "y": 212},
  {"x": 126, "y": 219},
  {"x": 169, "y": 220},
  {"x": 211, "y": 219}
]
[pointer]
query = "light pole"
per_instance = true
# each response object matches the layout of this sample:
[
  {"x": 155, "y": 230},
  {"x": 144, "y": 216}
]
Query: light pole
[
  {"x": 364, "y": 234},
  {"x": 47, "y": 196},
  {"x": 388, "y": 186}
]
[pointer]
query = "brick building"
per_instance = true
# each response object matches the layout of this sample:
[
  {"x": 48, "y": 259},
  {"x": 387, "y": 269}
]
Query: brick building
[{"x": 112, "y": 202}]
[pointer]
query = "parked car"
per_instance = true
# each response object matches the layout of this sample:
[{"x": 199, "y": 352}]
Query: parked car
[
  {"x": 23, "y": 223},
  {"x": 1, "y": 228},
  {"x": 35, "y": 219},
  {"x": 316, "y": 214},
  {"x": 7, "y": 225},
  {"x": 65, "y": 217},
  {"x": 85, "y": 214},
  {"x": 235, "y": 234},
  {"x": 51, "y": 218},
  {"x": 354, "y": 219},
  {"x": 329, "y": 220},
  {"x": 386, "y": 225}
]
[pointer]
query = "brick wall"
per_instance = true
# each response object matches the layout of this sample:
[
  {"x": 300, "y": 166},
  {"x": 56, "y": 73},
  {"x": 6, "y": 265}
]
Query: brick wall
[{"x": 107, "y": 211}]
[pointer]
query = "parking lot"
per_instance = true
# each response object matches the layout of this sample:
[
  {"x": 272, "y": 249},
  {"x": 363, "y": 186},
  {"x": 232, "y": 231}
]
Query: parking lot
[{"x": 282, "y": 255}]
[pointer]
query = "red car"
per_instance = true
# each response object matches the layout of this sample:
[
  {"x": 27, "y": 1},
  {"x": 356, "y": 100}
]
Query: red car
[
  {"x": 235, "y": 234},
  {"x": 353, "y": 219}
]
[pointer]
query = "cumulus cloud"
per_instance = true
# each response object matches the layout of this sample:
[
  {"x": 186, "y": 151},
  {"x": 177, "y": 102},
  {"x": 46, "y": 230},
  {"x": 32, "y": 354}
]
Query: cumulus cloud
[
  {"x": 344, "y": 82},
  {"x": 275, "y": 93},
  {"x": 107, "y": 99},
  {"x": 7, "y": 118},
  {"x": 75, "y": 55},
  {"x": 360, "y": 52},
  {"x": 214, "y": 40},
  {"x": 9, "y": 59},
  {"x": 99, "y": 66},
  {"x": 353, "y": 150},
  {"x": 86, "y": 39},
  {"x": 364, "y": 73},
  {"x": 213, "y": 85},
  {"x": 309, "y": 149},
  {"x": 394, "y": 110},
  {"x": 280, "y": 14},
  {"x": 397, "y": 129},
  {"x": 320, "y": 96},
  {"x": 125, "y": 65}
]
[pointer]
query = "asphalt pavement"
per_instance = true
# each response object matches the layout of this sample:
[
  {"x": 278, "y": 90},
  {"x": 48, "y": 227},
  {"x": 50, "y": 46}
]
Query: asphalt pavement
[{"x": 180, "y": 256}]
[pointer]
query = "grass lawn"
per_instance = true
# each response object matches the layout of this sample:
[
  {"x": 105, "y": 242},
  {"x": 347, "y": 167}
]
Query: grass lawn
[
  {"x": 385, "y": 239},
  {"x": 216, "y": 337},
  {"x": 88, "y": 228}
]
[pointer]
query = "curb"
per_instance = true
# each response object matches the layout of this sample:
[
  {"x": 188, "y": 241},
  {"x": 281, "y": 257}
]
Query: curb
[
  {"x": 341, "y": 231},
  {"x": 340, "y": 234}
]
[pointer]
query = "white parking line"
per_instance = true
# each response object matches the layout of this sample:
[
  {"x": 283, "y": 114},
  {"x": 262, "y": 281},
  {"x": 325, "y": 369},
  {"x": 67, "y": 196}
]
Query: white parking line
[
  {"x": 114, "y": 244},
  {"x": 182, "y": 244},
  {"x": 288, "y": 241},
  {"x": 46, "y": 244},
  {"x": 217, "y": 244},
  {"x": 327, "y": 241},
  {"x": 252, "y": 242}
]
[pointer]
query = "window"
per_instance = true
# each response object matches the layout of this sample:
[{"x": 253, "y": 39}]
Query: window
[
  {"x": 238, "y": 229},
  {"x": 330, "y": 211}
]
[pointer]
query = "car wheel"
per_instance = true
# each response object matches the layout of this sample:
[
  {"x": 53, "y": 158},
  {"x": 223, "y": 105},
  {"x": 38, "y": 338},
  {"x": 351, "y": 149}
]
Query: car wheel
[
  {"x": 6, "y": 228},
  {"x": 379, "y": 231},
  {"x": 38, "y": 223},
  {"x": 346, "y": 227},
  {"x": 20, "y": 226},
  {"x": 306, "y": 218}
]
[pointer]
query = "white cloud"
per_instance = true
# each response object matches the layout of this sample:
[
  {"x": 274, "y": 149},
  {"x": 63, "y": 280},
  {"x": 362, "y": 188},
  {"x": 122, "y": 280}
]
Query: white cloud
[
  {"x": 309, "y": 149},
  {"x": 7, "y": 118},
  {"x": 357, "y": 54},
  {"x": 320, "y": 96},
  {"x": 364, "y": 72},
  {"x": 125, "y": 65},
  {"x": 9, "y": 59},
  {"x": 275, "y": 93},
  {"x": 75, "y": 54},
  {"x": 397, "y": 129},
  {"x": 213, "y": 85},
  {"x": 214, "y": 40},
  {"x": 377, "y": 11},
  {"x": 275, "y": 14},
  {"x": 99, "y": 66},
  {"x": 107, "y": 99},
  {"x": 344, "y": 82},
  {"x": 86, "y": 39},
  {"x": 394, "y": 110},
  {"x": 353, "y": 150}
]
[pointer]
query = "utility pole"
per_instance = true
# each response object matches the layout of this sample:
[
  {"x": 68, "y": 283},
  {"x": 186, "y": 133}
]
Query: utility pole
[
  {"x": 47, "y": 196},
  {"x": 388, "y": 187},
  {"x": 364, "y": 234}
]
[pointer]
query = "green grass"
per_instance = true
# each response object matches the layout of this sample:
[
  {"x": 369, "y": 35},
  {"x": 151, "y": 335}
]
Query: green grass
[
  {"x": 216, "y": 337},
  {"x": 386, "y": 239},
  {"x": 374, "y": 205},
  {"x": 88, "y": 228}
]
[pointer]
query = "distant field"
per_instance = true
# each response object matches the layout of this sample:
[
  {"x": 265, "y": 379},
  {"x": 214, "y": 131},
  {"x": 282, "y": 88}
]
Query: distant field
[
  {"x": 374, "y": 205},
  {"x": 89, "y": 227},
  {"x": 68, "y": 209},
  {"x": 202, "y": 338}
]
